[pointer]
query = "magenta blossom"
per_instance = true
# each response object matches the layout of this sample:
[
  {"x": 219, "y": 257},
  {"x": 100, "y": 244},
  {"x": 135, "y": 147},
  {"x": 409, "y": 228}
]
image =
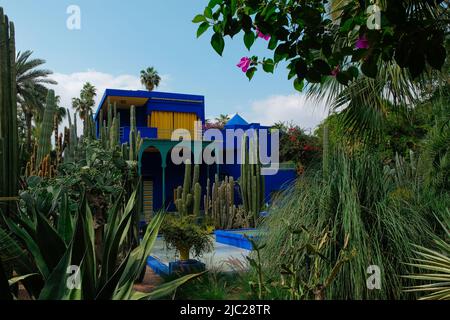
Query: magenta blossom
[
  {"x": 244, "y": 64},
  {"x": 335, "y": 71},
  {"x": 362, "y": 42},
  {"x": 262, "y": 35}
]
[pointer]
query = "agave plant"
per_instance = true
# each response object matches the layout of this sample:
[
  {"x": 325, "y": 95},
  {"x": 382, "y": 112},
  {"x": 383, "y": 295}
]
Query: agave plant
[
  {"x": 67, "y": 242},
  {"x": 436, "y": 267}
]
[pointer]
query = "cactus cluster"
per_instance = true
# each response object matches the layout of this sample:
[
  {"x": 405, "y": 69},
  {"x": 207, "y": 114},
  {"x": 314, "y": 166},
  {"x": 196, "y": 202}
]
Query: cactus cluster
[
  {"x": 109, "y": 129},
  {"x": 47, "y": 169},
  {"x": 48, "y": 166},
  {"x": 8, "y": 117},
  {"x": 220, "y": 207},
  {"x": 251, "y": 182},
  {"x": 188, "y": 196}
]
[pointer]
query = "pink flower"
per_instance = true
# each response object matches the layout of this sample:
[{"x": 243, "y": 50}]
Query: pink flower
[
  {"x": 335, "y": 71},
  {"x": 262, "y": 35},
  {"x": 362, "y": 42},
  {"x": 244, "y": 64}
]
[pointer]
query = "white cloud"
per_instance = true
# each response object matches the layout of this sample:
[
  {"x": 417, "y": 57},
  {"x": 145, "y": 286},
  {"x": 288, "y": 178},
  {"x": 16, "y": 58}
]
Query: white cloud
[
  {"x": 69, "y": 86},
  {"x": 295, "y": 107}
]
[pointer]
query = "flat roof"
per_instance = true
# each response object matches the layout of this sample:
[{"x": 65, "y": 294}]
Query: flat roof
[{"x": 144, "y": 96}]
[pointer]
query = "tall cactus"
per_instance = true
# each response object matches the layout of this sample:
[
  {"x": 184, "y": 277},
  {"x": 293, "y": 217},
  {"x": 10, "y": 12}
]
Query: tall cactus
[
  {"x": 251, "y": 182},
  {"x": 89, "y": 127},
  {"x": 135, "y": 136},
  {"x": 46, "y": 130},
  {"x": 188, "y": 197},
  {"x": 8, "y": 117}
]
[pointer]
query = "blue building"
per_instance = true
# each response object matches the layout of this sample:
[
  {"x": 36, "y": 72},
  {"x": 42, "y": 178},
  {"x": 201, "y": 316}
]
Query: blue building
[{"x": 158, "y": 115}]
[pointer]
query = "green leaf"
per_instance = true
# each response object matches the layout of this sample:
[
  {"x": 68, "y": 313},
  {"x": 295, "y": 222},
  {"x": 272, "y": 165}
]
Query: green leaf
[
  {"x": 246, "y": 22},
  {"x": 165, "y": 289},
  {"x": 370, "y": 68},
  {"x": 32, "y": 247},
  {"x": 250, "y": 73},
  {"x": 233, "y": 7},
  {"x": 268, "y": 65},
  {"x": 50, "y": 243},
  {"x": 249, "y": 39},
  {"x": 322, "y": 66},
  {"x": 111, "y": 249},
  {"x": 56, "y": 285},
  {"x": 208, "y": 13},
  {"x": 137, "y": 260},
  {"x": 272, "y": 43},
  {"x": 214, "y": 3},
  {"x": 202, "y": 28},
  {"x": 218, "y": 43},
  {"x": 299, "y": 84},
  {"x": 199, "y": 18},
  {"x": 65, "y": 224},
  {"x": 301, "y": 68},
  {"x": 15, "y": 280},
  {"x": 343, "y": 77},
  {"x": 353, "y": 71},
  {"x": 436, "y": 56}
]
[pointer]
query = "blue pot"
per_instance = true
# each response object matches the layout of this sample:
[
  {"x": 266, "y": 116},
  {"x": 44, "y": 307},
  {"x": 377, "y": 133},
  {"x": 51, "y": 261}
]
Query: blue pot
[{"x": 186, "y": 267}]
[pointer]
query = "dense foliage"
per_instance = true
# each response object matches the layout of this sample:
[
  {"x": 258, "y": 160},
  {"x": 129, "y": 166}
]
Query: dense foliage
[
  {"x": 381, "y": 209},
  {"x": 318, "y": 39},
  {"x": 297, "y": 146}
]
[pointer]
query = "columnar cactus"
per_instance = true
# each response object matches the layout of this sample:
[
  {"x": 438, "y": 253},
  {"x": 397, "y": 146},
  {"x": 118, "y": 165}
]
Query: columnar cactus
[
  {"x": 135, "y": 136},
  {"x": 251, "y": 182},
  {"x": 188, "y": 197},
  {"x": 89, "y": 127},
  {"x": 71, "y": 140},
  {"x": 45, "y": 134},
  {"x": 8, "y": 117}
]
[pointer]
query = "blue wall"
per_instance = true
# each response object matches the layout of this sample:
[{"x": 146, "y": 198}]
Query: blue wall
[{"x": 151, "y": 170}]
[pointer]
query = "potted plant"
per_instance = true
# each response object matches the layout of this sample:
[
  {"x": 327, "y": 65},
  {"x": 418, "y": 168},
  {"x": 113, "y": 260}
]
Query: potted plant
[{"x": 183, "y": 234}]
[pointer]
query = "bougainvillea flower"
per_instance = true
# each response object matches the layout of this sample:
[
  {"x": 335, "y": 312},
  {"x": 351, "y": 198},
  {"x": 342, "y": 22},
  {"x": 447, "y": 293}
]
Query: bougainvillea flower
[
  {"x": 335, "y": 71},
  {"x": 244, "y": 64},
  {"x": 261, "y": 35},
  {"x": 362, "y": 42}
]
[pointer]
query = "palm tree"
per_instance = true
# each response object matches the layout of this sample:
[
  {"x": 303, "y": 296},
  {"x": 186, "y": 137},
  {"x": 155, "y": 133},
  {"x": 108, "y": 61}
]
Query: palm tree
[
  {"x": 150, "y": 78},
  {"x": 31, "y": 90},
  {"x": 222, "y": 120},
  {"x": 83, "y": 105}
]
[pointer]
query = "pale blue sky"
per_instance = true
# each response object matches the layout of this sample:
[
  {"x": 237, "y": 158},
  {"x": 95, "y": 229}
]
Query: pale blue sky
[{"x": 119, "y": 38}]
